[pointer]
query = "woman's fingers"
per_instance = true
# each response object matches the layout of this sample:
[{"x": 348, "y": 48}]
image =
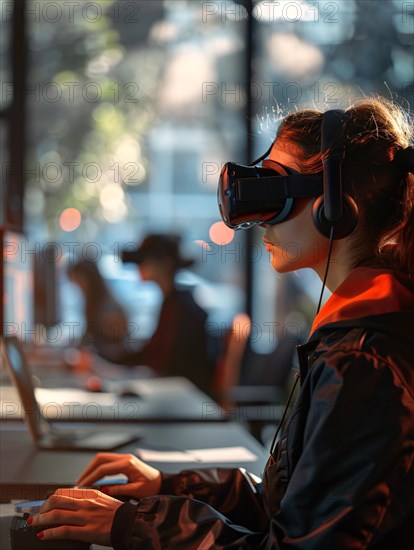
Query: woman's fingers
[
  {"x": 64, "y": 501},
  {"x": 83, "y": 514},
  {"x": 71, "y": 493},
  {"x": 127, "y": 464},
  {"x": 58, "y": 517},
  {"x": 134, "y": 490},
  {"x": 139, "y": 489},
  {"x": 100, "y": 458},
  {"x": 110, "y": 468},
  {"x": 67, "y": 532},
  {"x": 70, "y": 499}
]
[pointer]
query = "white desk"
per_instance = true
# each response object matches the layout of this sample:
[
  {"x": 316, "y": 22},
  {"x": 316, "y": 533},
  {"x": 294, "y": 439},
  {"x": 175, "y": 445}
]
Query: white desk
[{"x": 158, "y": 400}]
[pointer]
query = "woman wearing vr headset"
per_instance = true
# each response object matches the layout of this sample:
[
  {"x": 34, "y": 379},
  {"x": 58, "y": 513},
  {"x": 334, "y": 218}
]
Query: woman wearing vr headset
[{"x": 342, "y": 475}]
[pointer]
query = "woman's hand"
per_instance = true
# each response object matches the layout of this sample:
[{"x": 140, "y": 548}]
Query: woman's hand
[
  {"x": 143, "y": 480},
  {"x": 77, "y": 514}
]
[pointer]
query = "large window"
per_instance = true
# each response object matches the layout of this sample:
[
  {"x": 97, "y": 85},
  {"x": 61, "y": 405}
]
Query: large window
[
  {"x": 128, "y": 129},
  {"x": 133, "y": 106}
]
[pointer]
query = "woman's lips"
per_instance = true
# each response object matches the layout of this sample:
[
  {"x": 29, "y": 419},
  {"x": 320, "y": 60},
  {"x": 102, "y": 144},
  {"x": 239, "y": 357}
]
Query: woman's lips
[{"x": 268, "y": 244}]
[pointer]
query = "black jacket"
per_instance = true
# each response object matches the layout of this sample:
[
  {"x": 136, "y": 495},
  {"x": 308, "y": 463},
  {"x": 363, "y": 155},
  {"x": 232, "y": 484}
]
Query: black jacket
[{"x": 341, "y": 477}]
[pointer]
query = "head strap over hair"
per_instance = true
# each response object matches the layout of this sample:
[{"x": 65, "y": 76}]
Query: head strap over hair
[{"x": 404, "y": 160}]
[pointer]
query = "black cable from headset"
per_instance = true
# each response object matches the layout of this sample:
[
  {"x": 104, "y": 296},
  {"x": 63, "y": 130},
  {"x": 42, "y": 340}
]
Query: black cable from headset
[
  {"x": 326, "y": 270},
  {"x": 297, "y": 376},
  {"x": 282, "y": 421}
]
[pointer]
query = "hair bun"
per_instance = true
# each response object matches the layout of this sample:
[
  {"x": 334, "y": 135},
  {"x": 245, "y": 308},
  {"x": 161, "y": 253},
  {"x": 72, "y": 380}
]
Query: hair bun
[{"x": 404, "y": 160}]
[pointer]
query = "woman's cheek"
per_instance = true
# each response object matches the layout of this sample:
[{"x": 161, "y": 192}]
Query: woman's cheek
[{"x": 279, "y": 259}]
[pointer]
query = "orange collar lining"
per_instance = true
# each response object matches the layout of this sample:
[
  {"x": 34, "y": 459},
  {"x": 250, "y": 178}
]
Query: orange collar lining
[{"x": 366, "y": 291}]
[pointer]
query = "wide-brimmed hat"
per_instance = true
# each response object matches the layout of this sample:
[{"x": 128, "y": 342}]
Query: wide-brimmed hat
[{"x": 157, "y": 247}]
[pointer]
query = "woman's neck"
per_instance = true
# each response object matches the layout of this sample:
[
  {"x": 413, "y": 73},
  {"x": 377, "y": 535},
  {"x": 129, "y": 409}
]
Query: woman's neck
[{"x": 341, "y": 264}]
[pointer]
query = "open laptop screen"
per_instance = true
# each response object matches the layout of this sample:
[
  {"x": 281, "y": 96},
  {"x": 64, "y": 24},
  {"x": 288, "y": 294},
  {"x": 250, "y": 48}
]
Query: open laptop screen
[
  {"x": 43, "y": 433},
  {"x": 21, "y": 377}
]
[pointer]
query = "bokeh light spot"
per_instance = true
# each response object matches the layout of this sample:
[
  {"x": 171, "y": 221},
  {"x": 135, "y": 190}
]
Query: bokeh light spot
[
  {"x": 221, "y": 234},
  {"x": 70, "y": 219}
]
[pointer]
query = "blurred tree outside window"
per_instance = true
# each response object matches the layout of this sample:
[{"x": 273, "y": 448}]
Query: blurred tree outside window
[
  {"x": 128, "y": 128},
  {"x": 133, "y": 107}
]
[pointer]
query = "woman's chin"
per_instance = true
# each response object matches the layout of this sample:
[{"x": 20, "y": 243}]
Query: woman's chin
[{"x": 282, "y": 266}]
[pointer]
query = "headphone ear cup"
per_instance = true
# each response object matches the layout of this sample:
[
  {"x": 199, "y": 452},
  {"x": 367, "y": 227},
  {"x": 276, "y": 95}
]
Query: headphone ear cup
[{"x": 342, "y": 228}]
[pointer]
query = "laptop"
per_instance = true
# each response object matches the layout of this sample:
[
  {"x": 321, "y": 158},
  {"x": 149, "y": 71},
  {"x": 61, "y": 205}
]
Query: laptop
[{"x": 44, "y": 434}]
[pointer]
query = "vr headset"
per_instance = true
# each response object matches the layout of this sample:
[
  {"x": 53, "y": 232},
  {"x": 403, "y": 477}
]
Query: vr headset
[{"x": 256, "y": 195}]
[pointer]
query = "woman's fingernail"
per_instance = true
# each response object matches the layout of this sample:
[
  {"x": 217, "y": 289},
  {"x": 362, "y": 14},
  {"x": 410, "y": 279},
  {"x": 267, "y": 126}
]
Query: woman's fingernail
[
  {"x": 40, "y": 535},
  {"x": 29, "y": 520}
]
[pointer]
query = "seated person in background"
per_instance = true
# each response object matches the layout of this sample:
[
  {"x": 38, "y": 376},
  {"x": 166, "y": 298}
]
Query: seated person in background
[
  {"x": 178, "y": 346},
  {"x": 106, "y": 320}
]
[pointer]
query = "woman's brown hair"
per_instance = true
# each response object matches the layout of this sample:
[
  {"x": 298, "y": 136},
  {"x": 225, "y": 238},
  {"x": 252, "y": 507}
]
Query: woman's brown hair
[{"x": 377, "y": 171}]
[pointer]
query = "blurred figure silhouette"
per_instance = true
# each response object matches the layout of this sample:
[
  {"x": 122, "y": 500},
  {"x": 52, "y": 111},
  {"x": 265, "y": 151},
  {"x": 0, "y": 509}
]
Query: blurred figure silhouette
[
  {"x": 106, "y": 320},
  {"x": 179, "y": 345}
]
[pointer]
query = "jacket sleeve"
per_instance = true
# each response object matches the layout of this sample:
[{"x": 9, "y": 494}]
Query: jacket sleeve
[
  {"x": 235, "y": 493},
  {"x": 193, "y": 504},
  {"x": 351, "y": 462}
]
